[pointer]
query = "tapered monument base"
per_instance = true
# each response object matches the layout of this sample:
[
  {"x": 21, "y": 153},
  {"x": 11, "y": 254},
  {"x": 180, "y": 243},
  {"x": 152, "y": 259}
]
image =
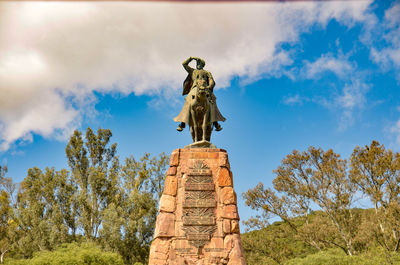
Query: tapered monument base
[{"x": 198, "y": 222}]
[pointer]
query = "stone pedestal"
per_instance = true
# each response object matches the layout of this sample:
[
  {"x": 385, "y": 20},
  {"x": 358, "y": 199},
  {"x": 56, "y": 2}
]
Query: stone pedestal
[{"x": 198, "y": 222}]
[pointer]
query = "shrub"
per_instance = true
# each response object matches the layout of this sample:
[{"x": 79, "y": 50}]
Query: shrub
[{"x": 72, "y": 254}]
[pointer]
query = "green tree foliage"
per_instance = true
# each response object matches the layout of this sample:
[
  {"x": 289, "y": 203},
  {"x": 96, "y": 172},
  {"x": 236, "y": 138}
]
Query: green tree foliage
[
  {"x": 94, "y": 169},
  {"x": 8, "y": 227},
  {"x": 96, "y": 200},
  {"x": 43, "y": 210},
  {"x": 128, "y": 226}
]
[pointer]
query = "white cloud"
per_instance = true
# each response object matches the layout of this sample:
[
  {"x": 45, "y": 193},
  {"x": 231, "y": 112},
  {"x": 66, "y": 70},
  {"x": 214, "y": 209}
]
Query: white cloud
[
  {"x": 53, "y": 55},
  {"x": 295, "y": 100},
  {"x": 328, "y": 63},
  {"x": 353, "y": 97},
  {"x": 395, "y": 129},
  {"x": 347, "y": 99},
  {"x": 389, "y": 56}
]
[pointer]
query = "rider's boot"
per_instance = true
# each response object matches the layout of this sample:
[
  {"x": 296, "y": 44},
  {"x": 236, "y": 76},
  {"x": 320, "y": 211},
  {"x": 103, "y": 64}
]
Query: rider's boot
[
  {"x": 217, "y": 126},
  {"x": 180, "y": 127}
]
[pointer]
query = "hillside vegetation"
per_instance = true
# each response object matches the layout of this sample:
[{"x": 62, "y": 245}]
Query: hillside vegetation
[
  {"x": 278, "y": 244},
  {"x": 315, "y": 193}
]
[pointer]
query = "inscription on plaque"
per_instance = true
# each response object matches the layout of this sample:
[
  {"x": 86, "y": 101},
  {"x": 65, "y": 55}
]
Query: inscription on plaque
[
  {"x": 199, "y": 186},
  {"x": 185, "y": 250},
  {"x": 198, "y": 237},
  {"x": 199, "y": 205},
  {"x": 199, "y": 220},
  {"x": 214, "y": 249},
  {"x": 200, "y": 171}
]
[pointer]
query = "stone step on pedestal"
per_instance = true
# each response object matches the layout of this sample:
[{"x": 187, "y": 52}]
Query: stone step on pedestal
[{"x": 198, "y": 222}]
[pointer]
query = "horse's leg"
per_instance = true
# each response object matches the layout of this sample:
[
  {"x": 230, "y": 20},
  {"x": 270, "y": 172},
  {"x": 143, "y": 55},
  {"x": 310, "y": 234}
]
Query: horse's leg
[
  {"x": 209, "y": 128},
  {"x": 192, "y": 133},
  {"x": 191, "y": 124},
  {"x": 204, "y": 127},
  {"x": 194, "y": 120}
]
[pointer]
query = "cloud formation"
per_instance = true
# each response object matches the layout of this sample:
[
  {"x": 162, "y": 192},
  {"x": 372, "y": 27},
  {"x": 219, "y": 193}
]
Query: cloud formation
[
  {"x": 54, "y": 55},
  {"x": 389, "y": 56},
  {"x": 341, "y": 67}
]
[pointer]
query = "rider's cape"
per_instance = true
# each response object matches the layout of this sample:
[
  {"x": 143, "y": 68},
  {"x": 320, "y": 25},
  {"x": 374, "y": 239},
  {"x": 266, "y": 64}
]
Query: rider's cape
[{"x": 187, "y": 84}]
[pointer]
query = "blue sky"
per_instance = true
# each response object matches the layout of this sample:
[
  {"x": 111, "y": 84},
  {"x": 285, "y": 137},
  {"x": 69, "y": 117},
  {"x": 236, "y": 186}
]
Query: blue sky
[{"x": 288, "y": 76}]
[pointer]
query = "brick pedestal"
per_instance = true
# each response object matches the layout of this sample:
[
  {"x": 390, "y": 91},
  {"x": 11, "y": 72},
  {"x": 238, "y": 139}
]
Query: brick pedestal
[{"x": 198, "y": 222}]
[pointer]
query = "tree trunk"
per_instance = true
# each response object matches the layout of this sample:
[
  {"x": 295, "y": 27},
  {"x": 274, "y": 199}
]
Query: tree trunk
[{"x": 2, "y": 256}]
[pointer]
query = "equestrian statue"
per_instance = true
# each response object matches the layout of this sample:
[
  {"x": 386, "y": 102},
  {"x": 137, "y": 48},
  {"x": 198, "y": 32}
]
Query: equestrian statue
[{"x": 200, "y": 110}]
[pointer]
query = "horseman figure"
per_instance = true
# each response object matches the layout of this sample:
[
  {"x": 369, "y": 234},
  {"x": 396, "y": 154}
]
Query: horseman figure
[{"x": 200, "y": 110}]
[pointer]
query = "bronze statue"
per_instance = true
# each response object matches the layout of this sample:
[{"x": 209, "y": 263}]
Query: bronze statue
[{"x": 200, "y": 110}]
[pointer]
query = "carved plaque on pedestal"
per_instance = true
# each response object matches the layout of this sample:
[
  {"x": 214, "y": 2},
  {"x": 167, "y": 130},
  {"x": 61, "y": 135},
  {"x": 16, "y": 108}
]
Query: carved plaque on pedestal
[{"x": 199, "y": 205}]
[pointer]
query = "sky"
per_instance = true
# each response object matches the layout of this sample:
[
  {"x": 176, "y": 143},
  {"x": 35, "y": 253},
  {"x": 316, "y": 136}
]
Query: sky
[{"x": 288, "y": 75}]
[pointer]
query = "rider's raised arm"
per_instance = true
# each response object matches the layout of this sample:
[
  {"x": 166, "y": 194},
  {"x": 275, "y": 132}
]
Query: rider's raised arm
[
  {"x": 211, "y": 82},
  {"x": 186, "y": 65}
]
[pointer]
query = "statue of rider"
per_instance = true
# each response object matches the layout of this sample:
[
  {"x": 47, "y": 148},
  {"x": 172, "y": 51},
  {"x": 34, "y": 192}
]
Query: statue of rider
[{"x": 195, "y": 75}]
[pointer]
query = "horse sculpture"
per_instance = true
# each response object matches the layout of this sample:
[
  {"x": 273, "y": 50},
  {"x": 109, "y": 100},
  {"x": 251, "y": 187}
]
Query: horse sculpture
[
  {"x": 200, "y": 113},
  {"x": 200, "y": 110}
]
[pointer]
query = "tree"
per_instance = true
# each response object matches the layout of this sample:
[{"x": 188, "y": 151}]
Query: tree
[
  {"x": 128, "y": 226},
  {"x": 308, "y": 180},
  {"x": 98, "y": 200},
  {"x": 7, "y": 224},
  {"x": 376, "y": 172},
  {"x": 94, "y": 168}
]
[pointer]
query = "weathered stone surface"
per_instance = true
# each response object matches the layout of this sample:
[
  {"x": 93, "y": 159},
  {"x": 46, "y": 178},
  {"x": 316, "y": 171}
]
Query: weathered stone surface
[
  {"x": 237, "y": 250},
  {"x": 230, "y": 211},
  {"x": 198, "y": 209},
  {"x": 178, "y": 229},
  {"x": 165, "y": 225},
  {"x": 216, "y": 248},
  {"x": 235, "y": 226},
  {"x": 155, "y": 261},
  {"x": 174, "y": 160},
  {"x": 227, "y": 196},
  {"x": 224, "y": 177},
  {"x": 171, "y": 171},
  {"x": 161, "y": 245},
  {"x": 223, "y": 160},
  {"x": 213, "y": 155},
  {"x": 170, "y": 185},
  {"x": 159, "y": 251},
  {"x": 167, "y": 203},
  {"x": 216, "y": 245},
  {"x": 199, "y": 155},
  {"x": 201, "y": 144},
  {"x": 183, "y": 246},
  {"x": 228, "y": 242},
  {"x": 227, "y": 226},
  {"x": 220, "y": 229},
  {"x": 237, "y": 261}
]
